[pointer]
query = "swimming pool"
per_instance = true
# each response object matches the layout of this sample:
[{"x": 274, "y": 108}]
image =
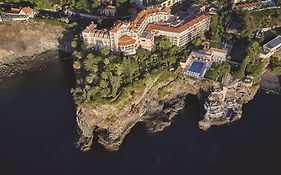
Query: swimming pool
[
  {"x": 270, "y": 3},
  {"x": 196, "y": 67}
]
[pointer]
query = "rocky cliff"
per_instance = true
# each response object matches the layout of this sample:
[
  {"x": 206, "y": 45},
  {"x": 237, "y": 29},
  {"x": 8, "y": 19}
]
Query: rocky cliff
[
  {"x": 271, "y": 82},
  {"x": 24, "y": 44},
  {"x": 155, "y": 105}
]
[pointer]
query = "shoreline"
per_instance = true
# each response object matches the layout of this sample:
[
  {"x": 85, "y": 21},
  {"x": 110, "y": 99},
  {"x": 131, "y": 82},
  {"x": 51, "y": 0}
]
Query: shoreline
[
  {"x": 155, "y": 112},
  {"x": 30, "y": 64},
  {"x": 155, "y": 115},
  {"x": 271, "y": 83}
]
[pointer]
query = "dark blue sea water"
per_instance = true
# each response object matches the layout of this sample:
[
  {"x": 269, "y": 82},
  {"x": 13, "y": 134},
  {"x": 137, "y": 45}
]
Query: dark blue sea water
[{"x": 38, "y": 135}]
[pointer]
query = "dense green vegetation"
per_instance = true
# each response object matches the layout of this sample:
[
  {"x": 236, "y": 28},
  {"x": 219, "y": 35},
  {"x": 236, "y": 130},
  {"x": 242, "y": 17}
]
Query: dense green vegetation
[
  {"x": 276, "y": 65},
  {"x": 254, "y": 19},
  {"x": 218, "y": 71},
  {"x": 219, "y": 21},
  {"x": 252, "y": 65},
  {"x": 106, "y": 75},
  {"x": 81, "y": 5}
]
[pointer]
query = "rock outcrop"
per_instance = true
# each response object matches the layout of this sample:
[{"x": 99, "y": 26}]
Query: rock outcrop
[
  {"x": 155, "y": 105},
  {"x": 24, "y": 44},
  {"x": 271, "y": 82}
]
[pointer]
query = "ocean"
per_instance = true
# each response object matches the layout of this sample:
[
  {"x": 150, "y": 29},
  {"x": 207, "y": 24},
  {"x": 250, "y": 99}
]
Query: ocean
[{"x": 38, "y": 135}]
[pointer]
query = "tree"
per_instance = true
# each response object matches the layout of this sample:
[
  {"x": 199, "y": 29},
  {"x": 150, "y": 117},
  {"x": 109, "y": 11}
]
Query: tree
[
  {"x": 214, "y": 24},
  {"x": 105, "y": 52},
  {"x": 170, "y": 60},
  {"x": 77, "y": 54},
  {"x": 74, "y": 44},
  {"x": 197, "y": 42},
  {"x": 201, "y": 1},
  {"x": 249, "y": 26},
  {"x": 76, "y": 65},
  {"x": 90, "y": 56},
  {"x": 93, "y": 93},
  {"x": 251, "y": 64},
  {"x": 95, "y": 3},
  {"x": 130, "y": 69},
  {"x": 115, "y": 83},
  {"x": 142, "y": 54},
  {"x": 118, "y": 69},
  {"x": 217, "y": 71},
  {"x": 83, "y": 5},
  {"x": 164, "y": 43},
  {"x": 90, "y": 64}
]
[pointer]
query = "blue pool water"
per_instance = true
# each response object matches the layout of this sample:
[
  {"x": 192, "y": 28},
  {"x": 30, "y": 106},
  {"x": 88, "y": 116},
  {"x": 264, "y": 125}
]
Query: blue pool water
[
  {"x": 196, "y": 67},
  {"x": 270, "y": 3}
]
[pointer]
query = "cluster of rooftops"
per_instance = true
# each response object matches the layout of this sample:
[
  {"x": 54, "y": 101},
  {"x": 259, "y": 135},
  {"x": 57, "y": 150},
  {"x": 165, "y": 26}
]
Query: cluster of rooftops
[
  {"x": 137, "y": 22},
  {"x": 179, "y": 28},
  {"x": 127, "y": 36},
  {"x": 92, "y": 28}
]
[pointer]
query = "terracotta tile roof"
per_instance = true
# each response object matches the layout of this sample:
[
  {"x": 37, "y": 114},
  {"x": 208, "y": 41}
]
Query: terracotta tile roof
[
  {"x": 90, "y": 28},
  {"x": 143, "y": 14},
  {"x": 178, "y": 29},
  {"x": 248, "y": 5},
  {"x": 165, "y": 9},
  {"x": 126, "y": 40},
  {"x": 27, "y": 10},
  {"x": 135, "y": 24},
  {"x": 116, "y": 26},
  {"x": 96, "y": 32},
  {"x": 14, "y": 10},
  {"x": 110, "y": 7}
]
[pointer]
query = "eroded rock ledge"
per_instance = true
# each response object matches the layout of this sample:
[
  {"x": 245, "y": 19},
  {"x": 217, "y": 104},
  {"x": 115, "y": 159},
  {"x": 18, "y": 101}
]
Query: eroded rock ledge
[
  {"x": 30, "y": 45},
  {"x": 112, "y": 122},
  {"x": 155, "y": 105}
]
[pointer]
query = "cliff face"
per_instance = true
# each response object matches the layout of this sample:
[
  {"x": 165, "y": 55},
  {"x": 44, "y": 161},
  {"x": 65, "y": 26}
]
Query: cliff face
[
  {"x": 243, "y": 94},
  {"x": 25, "y": 43},
  {"x": 155, "y": 105},
  {"x": 271, "y": 82}
]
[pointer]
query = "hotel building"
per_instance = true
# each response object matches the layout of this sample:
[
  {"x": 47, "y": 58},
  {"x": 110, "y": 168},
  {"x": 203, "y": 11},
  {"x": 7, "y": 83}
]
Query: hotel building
[{"x": 128, "y": 36}]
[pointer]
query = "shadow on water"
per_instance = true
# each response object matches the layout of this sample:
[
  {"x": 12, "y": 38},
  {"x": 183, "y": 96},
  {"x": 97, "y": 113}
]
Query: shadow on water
[{"x": 279, "y": 77}]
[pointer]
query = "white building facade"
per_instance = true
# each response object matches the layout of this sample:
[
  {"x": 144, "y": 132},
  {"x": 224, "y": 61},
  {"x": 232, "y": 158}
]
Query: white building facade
[{"x": 128, "y": 36}]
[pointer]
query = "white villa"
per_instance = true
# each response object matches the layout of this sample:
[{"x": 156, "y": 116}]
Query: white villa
[{"x": 19, "y": 14}]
